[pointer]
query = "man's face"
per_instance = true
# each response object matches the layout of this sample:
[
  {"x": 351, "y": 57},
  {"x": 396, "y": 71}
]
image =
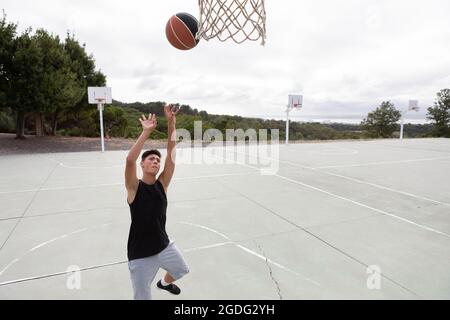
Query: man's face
[{"x": 150, "y": 165}]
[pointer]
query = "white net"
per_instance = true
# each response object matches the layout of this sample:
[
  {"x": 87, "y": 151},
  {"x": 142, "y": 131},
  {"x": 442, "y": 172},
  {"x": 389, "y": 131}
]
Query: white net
[{"x": 239, "y": 20}]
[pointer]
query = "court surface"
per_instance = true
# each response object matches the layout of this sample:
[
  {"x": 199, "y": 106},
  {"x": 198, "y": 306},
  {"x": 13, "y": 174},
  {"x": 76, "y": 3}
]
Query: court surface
[{"x": 333, "y": 220}]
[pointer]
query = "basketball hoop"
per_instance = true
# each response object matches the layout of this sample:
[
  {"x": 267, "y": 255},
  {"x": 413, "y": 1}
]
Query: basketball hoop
[
  {"x": 239, "y": 20},
  {"x": 100, "y": 96},
  {"x": 413, "y": 106},
  {"x": 295, "y": 101},
  {"x": 100, "y": 102}
]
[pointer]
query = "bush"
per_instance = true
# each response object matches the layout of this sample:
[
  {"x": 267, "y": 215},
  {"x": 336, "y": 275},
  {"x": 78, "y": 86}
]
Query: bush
[
  {"x": 73, "y": 132},
  {"x": 158, "y": 135},
  {"x": 7, "y": 121}
]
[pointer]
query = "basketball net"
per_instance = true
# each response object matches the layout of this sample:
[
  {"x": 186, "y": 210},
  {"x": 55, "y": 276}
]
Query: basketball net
[{"x": 239, "y": 20}]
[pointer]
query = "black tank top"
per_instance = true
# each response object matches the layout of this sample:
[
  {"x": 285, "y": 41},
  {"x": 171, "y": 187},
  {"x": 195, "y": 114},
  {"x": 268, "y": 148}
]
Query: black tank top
[{"x": 148, "y": 221}]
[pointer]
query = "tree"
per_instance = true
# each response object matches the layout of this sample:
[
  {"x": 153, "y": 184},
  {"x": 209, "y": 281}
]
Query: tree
[
  {"x": 11, "y": 50},
  {"x": 23, "y": 76},
  {"x": 115, "y": 122},
  {"x": 7, "y": 44},
  {"x": 83, "y": 65},
  {"x": 67, "y": 85},
  {"x": 57, "y": 83},
  {"x": 440, "y": 114},
  {"x": 382, "y": 122},
  {"x": 39, "y": 79},
  {"x": 42, "y": 76}
]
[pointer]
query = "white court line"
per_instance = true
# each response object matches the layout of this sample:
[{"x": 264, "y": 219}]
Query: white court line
[
  {"x": 354, "y": 202},
  {"x": 125, "y": 261},
  {"x": 366, "y": 206},
  {"x": 251, "y": 252},
  {"x": 60, "y": 273},
  {"x": 276, "y": 264},
  {"x": 100, "y": 167},
  {"x": 62, "y": 164},
  {"x": 399, "y": 146},
  {"x": 386, "y": 188},
  {"x": 381, "y": 163},
  {"x": 43, "y": 244},
  {"x": 64, "y": 188},
  {"x": 347, "y": 151},
  {"x": 354, "y": 180},
  {"x": 122, "y": 183},
  {"x": 208, "y": 247},
  {"x": 99, "y": 266},
  {"x": 54, "y": 239}
]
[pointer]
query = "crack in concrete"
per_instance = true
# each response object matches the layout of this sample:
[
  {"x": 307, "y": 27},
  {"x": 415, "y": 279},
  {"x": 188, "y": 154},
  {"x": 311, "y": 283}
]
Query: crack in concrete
[{"x": 270, "y": 271}]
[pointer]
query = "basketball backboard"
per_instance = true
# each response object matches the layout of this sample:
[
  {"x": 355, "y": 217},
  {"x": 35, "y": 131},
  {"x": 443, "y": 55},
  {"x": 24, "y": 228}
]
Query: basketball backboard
[
  {"x": 295, "y": 101},
  {"x": 413, "y": 105},
  {"x": 98, "y": 95}
]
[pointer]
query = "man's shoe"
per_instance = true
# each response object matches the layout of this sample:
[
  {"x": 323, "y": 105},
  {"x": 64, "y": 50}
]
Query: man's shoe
[{"x": 172, "y": 288}]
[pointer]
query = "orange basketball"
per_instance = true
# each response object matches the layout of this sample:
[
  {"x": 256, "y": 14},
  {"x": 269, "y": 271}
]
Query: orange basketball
[{"x": 181, "y": 30}]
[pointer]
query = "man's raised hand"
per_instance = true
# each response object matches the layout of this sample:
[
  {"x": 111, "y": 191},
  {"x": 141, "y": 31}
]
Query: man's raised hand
[
  {"x": 148, "y": 124},
  {"x": 170, "y": 112}
]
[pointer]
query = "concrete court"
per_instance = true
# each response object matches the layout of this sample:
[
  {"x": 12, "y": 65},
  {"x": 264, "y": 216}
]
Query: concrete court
[{"x": 319, "y": 224}]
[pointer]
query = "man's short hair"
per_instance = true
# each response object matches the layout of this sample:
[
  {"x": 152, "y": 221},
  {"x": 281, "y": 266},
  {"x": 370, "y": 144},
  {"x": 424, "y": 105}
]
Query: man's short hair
[{"x": 149, "y": 152}]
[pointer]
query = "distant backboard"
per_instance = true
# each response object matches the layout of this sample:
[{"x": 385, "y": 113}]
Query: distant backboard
[
  {"x": 295, "y": 101},
  {"x": 413, "y": 105},
  {"x": 98, "y": 95}
]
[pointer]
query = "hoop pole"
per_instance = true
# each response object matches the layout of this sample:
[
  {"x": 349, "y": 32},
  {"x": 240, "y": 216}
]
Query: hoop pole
[
  {"x": 413, "y": 106},
  {"x": 287, "y": 125},
  {"x": 100, "y": 108},
  {"x": 401, "y": 129}
]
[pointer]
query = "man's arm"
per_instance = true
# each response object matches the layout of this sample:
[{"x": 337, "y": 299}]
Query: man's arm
[
  {"x": 169, "y": 165},
  {"x": 131, "y": 180}
]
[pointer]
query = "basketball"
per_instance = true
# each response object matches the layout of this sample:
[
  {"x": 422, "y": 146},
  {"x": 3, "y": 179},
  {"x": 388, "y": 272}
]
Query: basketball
[{"x": 181, "y": 30}]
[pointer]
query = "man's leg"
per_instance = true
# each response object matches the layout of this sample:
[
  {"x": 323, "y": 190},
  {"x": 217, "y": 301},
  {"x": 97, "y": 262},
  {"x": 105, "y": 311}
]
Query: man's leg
[
  {"x": 168, "y": 278},
  {"x": 173, "y": 262},
  {"x": 142, "y": 272}
]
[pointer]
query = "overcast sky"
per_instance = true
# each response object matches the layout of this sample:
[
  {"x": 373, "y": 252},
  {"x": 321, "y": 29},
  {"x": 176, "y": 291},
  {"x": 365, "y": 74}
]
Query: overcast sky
[{"x": 344, "y": 56}]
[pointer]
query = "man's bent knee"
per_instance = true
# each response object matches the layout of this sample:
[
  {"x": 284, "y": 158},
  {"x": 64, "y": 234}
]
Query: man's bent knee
[{"x": 184, "y": 270}]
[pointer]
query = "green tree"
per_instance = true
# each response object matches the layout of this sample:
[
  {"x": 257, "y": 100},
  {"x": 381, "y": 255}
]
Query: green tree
[
  {"x": 382, "y": 122},
  {"x": 25, "y": 72},
  {"x": 440, "y": 114},
  {"x": 114, "y": 121},
  {"x": 58, "y": 85},
  {"x": 83, "y": 65},
  {"x": 39, "y": 78},
  {"x": 7, "y": 48}
]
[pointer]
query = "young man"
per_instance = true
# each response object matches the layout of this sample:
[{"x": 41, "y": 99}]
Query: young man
[{"x": 149, "y": 247}]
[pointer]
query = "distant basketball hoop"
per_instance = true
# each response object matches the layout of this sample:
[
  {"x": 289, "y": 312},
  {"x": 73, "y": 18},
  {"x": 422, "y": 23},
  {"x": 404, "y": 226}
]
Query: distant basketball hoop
[
  {"x": 100, "y": 96},
  {"x": 100, "y": 101},
  {"x": 295, "y": 102},
  {"x": 412, "y": 106}
]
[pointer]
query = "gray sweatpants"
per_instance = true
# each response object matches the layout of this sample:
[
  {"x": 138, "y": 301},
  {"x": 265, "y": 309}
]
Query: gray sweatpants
[{"x": 143, "y": 271}]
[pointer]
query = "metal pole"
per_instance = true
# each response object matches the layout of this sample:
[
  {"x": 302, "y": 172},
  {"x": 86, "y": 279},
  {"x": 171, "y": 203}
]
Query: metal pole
[
  {"x": 401, "y": 129},
  {"x": 100, "y": 108},
  {"x": 287, "y": 125}
]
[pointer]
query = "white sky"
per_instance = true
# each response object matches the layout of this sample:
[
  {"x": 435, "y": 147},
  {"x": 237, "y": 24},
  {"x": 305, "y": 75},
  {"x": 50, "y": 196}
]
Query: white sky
[{"x": 344, "y": 56}]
